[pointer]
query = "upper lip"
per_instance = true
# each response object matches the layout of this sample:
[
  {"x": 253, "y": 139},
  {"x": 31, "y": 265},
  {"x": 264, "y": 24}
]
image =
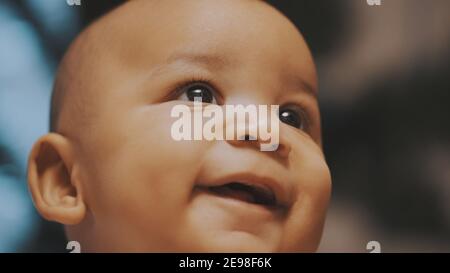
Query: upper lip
[{"x": 279, "y": 189}]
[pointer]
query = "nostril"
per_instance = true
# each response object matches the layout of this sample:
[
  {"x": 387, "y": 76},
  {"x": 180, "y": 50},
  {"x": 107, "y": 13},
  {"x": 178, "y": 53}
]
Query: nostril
[{"x": 247, "y": 137}]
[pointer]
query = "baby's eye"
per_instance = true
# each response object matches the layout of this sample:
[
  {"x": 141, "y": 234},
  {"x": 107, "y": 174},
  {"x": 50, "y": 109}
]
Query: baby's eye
[
  {"x": 198, "y": 90},
  {"x": 293, "y": 115}
]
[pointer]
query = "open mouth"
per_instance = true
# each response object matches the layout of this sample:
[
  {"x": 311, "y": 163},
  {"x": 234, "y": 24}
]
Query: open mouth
[{"x": 250, "y": 193}]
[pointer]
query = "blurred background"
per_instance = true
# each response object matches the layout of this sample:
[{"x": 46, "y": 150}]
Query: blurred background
[{"x": 385, "y": 100}]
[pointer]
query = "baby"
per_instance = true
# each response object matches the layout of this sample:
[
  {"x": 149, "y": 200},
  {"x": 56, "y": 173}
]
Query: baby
[{"x": 111, "y": 172}]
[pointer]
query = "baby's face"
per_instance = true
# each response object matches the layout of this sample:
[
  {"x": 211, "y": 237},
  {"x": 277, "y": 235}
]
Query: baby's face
[{"x": 145, "y": 191}]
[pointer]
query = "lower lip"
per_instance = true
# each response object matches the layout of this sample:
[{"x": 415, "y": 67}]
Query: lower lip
[{"x": 236, "y": 206}]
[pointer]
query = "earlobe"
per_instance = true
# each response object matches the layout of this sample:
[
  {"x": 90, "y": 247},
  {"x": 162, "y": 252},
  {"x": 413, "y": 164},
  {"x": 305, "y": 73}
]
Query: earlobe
[{"x": 52, "y": 180}]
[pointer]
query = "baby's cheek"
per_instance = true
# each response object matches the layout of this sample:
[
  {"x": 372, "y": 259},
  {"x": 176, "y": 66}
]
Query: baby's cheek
[
  {"x": 304, "y": 225},
  {"x": 162, "y": 148},
  {"x": 310, "y": 169},
  {"x": 317, "y": 177},
  {"x": 153, "y": 156},
  {"x": 146, "y": 177}
]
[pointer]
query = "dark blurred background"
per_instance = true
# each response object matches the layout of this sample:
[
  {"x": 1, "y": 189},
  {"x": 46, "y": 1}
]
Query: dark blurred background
[{"x": 385, "y": 100}]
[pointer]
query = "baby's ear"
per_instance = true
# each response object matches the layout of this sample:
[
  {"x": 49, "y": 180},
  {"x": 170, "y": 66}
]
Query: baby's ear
[{"x": 52, "y": 180}]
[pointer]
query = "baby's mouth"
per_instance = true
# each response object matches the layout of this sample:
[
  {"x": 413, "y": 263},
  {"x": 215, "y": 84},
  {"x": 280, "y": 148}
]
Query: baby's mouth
[{"x": 250, "y": 193}]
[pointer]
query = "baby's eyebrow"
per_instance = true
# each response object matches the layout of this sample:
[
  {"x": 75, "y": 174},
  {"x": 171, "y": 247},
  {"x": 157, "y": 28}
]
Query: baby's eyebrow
[
  {"x": 210, "y": 61},
  {"x": 301, "y": 85}
]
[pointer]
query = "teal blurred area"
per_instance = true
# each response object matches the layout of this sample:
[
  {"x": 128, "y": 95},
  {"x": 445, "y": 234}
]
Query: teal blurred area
[{"x": 30, "y": 31}]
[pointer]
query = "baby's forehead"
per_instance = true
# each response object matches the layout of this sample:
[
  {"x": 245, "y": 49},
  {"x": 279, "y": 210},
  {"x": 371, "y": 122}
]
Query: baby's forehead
[{"x": 227, "y": 28}]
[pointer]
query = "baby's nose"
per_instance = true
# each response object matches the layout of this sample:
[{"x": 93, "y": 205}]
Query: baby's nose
[{"x": 250, "y": 132}]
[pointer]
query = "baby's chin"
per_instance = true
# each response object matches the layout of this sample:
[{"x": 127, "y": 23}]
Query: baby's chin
[
  {"x": 217, "y": 224},
  {"x": 229, "y": 241},
  {"x": 206, "y": 239}
]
